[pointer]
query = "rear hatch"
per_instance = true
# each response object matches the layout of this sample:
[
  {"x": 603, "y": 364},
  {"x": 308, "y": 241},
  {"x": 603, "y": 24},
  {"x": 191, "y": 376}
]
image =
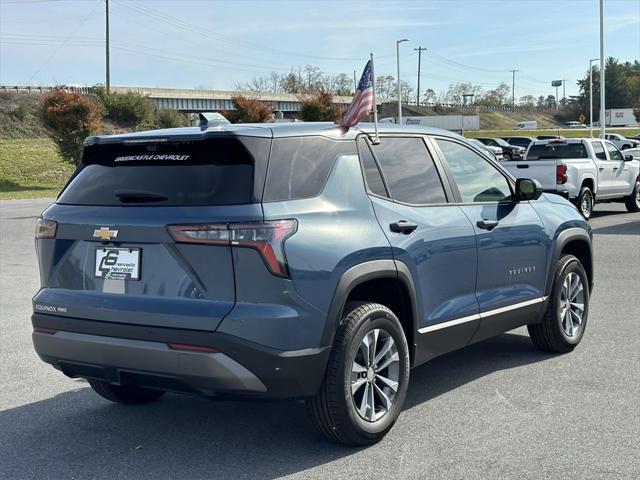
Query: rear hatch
[{"x": 109, "y": 251}]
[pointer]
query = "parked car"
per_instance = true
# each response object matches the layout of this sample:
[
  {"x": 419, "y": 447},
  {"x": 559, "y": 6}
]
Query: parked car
[
  {"x": 585, "y": 170},
  {"x": 621, "y": 142},
  {"x": 298, "y": 261},
  {"x": 510, "y": 152},
  {"x": 493, "y": 152},
  {"x": 574, "y": 124},
  {"x": 519, "y": 141},
  {"x": 549, "y": 137},
  {"x": 634, "y": 152}
]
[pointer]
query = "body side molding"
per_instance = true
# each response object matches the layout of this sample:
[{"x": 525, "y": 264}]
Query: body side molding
[{"x": 481, "y": 315}]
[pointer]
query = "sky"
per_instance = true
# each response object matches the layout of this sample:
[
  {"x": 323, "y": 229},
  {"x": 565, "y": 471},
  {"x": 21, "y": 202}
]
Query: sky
[{"x": 217, "y": 44}]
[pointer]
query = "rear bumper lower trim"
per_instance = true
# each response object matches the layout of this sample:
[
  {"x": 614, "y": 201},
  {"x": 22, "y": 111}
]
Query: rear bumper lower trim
[
  {"x": 237, "y": 368},
  {"x": 201, "y": 371}
]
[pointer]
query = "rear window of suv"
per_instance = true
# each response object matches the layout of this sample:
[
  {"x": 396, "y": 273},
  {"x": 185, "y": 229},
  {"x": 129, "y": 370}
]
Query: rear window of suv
[
  {"x": 556, "y": 150},
  {"x": 299, "y": 166},
  {"x": 220, "y": 171}
]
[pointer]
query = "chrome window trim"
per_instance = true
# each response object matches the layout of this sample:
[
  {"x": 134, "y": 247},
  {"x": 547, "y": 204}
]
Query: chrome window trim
[{"x": 480, "y": 315}]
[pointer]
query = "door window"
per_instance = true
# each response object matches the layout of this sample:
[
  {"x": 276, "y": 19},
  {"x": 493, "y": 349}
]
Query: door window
[
  {"x": 409, "y": 171},
  {"x": 477, "y": 179},
  {"x": 598, "y": 149},
  {"x": 614, "y": 153}
]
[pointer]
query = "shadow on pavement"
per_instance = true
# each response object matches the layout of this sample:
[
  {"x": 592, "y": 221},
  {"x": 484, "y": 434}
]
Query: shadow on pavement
[
  {"x": 628, "y": 228},
  {"x": 77, "y": 435}
]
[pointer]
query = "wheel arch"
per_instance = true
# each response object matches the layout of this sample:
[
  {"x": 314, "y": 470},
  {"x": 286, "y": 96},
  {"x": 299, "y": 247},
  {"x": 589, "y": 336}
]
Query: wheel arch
[
  {"x": 589, "y": 181},
  {"x": 387, "y": 282},
  {"x": 576, "y": 242}
]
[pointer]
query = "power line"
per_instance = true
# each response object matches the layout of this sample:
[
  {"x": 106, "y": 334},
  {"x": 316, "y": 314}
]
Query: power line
[{"x": 51, "y": 57}]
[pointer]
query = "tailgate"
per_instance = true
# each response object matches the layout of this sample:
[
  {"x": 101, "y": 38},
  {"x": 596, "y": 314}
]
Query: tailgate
[{"x": 542, "y": 170}]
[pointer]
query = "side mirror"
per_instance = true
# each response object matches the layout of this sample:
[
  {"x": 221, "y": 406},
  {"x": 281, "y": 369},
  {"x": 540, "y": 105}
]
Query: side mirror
[
  {"x": 528, "y": 189},
  {"x": 628, "y": 158}
]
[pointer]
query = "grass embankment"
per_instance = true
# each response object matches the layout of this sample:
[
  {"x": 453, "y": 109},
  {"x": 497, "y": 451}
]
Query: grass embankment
[
  {"x": 31, "y": 168},
  {"x": 563, "y": 132}
]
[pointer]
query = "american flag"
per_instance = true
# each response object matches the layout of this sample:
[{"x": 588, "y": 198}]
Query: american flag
[{"x": 362, "y": 102}]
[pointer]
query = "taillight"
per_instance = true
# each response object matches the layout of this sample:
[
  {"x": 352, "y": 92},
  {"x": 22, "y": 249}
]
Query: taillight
[
  {"x": 46, "y": 228},
  {"x": 561, "y": 174},
  {"x": 266, "y": 237}
]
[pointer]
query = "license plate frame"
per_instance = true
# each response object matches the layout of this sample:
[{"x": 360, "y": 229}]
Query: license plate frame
[{"x": 118, "y": 263}]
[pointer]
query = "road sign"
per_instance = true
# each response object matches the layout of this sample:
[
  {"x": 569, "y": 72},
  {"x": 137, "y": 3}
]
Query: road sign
[
  {"x": 556, "y": 83},
  {"x": 582, "y": 118}
]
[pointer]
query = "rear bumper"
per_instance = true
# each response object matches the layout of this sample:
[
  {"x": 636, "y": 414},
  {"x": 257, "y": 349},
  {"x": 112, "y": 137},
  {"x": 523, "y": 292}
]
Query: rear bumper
[{"x": 140, "y": 355}]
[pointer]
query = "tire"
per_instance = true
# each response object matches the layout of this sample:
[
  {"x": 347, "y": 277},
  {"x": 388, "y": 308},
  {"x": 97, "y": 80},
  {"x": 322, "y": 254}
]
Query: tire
[
  {"x": 507, "y": 156},
  {"x": 125, "y": 394},
  {"x": 554, "y": 334},
  {"x": 584, "y": 202},
  {"x": 632, "y": 202},
  {"x": 340, "y": 411}
]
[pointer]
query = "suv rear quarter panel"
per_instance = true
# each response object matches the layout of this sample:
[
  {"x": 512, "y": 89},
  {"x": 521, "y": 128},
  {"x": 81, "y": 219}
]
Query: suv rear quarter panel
[{"x": 336, "y": 230}]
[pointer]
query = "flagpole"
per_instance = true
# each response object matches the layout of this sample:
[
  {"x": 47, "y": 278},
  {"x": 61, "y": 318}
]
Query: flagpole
[{"x": 375, "y": 105}]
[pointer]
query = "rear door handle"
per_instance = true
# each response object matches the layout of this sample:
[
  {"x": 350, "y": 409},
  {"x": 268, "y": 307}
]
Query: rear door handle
[
  {"x": 522, "y": 166},
  {"x": 615, "y": 168},
  {"x": 402, "y": 226},
  {"x": 487, "y": 224}
]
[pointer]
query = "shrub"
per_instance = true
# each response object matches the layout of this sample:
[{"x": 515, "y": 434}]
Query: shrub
[
  {"x": 70, "y": 118},
  {"x": 171, "y": 119},
  {"x": 130, "y": 109},
  {"x": 249, "y": 110},
  {"x": 319, "y": 108}
]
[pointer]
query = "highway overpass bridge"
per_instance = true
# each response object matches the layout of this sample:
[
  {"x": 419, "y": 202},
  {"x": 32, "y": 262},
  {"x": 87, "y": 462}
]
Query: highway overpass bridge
[{"x": 193, "y": 101}]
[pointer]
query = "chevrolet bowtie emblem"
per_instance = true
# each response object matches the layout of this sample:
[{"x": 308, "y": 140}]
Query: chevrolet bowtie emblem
[{"x": 104, "y": 233}]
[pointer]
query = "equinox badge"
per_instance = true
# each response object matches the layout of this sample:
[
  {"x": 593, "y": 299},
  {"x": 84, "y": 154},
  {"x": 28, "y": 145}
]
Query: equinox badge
[{"x": 104, "y": 233}]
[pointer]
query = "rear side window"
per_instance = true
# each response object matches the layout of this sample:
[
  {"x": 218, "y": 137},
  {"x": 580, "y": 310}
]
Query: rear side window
[
  {"x": 217, "y": 171},
  {"x": 598, "y": 149},
  {"x": 299, "y": 166},
  {"x": 409, "y": 171},
  {"x": 371, "y": 171},
  {"x": 557, "y": 150}
]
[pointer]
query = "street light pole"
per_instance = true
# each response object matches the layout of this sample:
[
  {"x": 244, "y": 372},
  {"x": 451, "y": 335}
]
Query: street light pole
[
  {"x": 419, "y": 50},
  {"x": 513, "y": 89},
  {"x": 398, "y": 42},
  {"x": 107, "y": 73},
  {"x": 602, "y": 106},
  {"x": 591, "y": 96}
]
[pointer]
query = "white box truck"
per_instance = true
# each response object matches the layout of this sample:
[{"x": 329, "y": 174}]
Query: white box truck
[
  {"x": 456, "y": 123},
  {"x": 620, "y": 117},
  {"x": 527, "y": 125}
]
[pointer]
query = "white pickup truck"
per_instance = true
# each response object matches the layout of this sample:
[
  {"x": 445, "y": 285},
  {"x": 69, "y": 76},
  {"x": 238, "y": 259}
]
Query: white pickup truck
[{"x": 584, "y": 170}]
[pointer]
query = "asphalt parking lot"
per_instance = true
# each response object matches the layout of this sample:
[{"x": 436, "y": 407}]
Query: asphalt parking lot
[{"x": 499, "y": 409}]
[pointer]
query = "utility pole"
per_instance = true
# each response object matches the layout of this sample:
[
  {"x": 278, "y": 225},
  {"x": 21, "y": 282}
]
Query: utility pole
[
  {"x": 564, "y": 91},
  {"x": 107, "y": 72},
  {"x": 419, "y": 50},
  {"x": 513, "y": 89},
  {"x": 602, "y": 106},
  {"x": 591, "y": 96},
  {"x": 398, "y": 42}
]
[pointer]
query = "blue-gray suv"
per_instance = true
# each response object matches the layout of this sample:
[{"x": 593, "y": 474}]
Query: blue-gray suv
[{"x": 298, "y": 261}]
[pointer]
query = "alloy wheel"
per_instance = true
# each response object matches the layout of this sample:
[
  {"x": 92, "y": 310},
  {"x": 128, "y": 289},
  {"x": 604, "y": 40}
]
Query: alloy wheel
[
  {"x": 572, "y": 304},
  {"x": 585, "y": 205},
  {"x": 375, "y": 375}
]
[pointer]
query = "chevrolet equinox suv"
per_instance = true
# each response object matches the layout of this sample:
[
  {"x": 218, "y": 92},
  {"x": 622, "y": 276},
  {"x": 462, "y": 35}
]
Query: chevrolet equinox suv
[{"x": 298, "y": 261}]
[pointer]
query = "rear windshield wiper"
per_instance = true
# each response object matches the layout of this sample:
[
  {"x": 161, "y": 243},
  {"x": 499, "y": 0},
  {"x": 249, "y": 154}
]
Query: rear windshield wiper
[{"x": 138, "y": 196}]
